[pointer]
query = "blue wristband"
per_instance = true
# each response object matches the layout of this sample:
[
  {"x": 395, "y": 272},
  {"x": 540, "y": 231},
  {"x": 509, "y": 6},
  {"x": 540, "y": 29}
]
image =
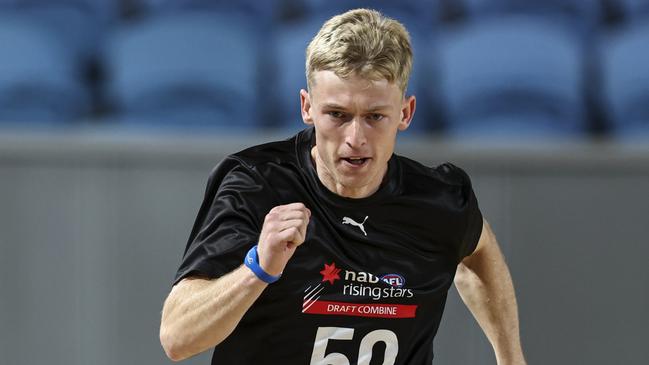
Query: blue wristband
[{"x": 252, "y": 261}]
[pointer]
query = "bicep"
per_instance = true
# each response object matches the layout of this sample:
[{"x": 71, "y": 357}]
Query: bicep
[
  {"x": 478, "y": 268},
  {"x": 486, "y": 250}
]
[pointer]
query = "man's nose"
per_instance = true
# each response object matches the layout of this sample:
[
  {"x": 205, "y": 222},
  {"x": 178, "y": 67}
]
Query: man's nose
[{"x": 355, "y": 134}]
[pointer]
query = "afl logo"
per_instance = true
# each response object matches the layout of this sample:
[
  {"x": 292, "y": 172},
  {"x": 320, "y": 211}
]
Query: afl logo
[{"x": 395, "y": 280}]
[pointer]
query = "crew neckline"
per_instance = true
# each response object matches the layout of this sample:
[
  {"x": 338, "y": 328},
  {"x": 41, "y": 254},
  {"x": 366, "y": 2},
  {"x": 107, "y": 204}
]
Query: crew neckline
[{"x": 305, "y": 142}]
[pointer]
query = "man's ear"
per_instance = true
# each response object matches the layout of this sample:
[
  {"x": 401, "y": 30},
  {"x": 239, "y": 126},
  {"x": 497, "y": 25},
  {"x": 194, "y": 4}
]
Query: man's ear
[
  {"x": 305, "y": 107},
  {"x": 407, "y": 112}
]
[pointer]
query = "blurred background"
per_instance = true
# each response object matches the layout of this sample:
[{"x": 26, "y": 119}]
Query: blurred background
[{"x": 112, "y": 114}]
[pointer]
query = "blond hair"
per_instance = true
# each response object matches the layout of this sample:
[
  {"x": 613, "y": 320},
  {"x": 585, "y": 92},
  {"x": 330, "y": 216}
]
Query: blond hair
[{"x": 363, "y": 42}]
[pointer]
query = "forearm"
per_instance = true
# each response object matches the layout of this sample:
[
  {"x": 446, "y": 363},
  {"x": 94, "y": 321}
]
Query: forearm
[
  {"x": 200, "y": 313},
  {"x": 485, "y": 285}
]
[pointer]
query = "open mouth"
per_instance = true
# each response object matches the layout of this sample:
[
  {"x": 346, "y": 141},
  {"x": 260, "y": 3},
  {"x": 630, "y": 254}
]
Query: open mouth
[{"x": 356, "y": 161}]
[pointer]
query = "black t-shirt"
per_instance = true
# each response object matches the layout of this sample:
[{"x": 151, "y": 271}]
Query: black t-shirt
[{"x": 371, "y": 279}]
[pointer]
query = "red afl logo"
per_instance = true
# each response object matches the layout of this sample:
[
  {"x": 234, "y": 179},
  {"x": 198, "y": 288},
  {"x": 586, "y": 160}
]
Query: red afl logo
[{"x": 395, "y": 280}]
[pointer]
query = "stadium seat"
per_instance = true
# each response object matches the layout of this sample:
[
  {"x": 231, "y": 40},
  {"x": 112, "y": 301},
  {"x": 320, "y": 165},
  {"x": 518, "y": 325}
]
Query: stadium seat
[
  {"x": 584, "y": 15},
  {"x": 78, "y": 24},
  {"x": 417, "y": 15},
  {"x": 263, "y": 12},
  {"x": 512, "y": 77},
  {"x": 190, "y": 69},
  {"x": 288, "y": 59},
  {"x": 479, "y": 8},
  {"x": 574, "y": 8},
  {"x": 634, "y": 10},
  {"x": 39, "y": 83},
  {"x": 625, "y": 60}
]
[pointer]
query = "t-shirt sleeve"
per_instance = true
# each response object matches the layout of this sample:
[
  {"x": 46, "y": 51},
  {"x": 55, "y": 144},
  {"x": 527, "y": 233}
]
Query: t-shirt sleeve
[
  {"x": 471, "y": 216},
  {"x": 473, "y": 226},
  {"x": 228, "y": 223}
]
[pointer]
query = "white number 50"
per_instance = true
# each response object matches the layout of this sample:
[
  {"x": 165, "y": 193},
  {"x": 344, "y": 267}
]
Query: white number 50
[{"x": 325, "y": 334}]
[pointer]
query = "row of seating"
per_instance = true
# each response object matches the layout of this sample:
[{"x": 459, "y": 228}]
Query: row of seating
[
  {"x": 100, "y": 13},
  {"x": 516, "y": 74}
]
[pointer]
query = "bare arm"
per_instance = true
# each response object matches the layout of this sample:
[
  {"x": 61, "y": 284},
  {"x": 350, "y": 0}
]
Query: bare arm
[
  {"x": 485, "y": 285},
  {"x": 200, "y": 313}
]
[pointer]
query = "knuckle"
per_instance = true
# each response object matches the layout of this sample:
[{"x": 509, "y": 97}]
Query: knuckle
[
  {"x": 272, "y": 216},
  {"x": 300, "y": 239}
]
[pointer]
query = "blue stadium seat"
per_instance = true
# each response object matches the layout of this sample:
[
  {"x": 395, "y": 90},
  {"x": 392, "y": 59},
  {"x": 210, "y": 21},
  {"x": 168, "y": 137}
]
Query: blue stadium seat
[
  {"x": 581, "y": 14},
  {"x": 634, "y": 10},
  {"x": 625, "y": 61},
  {"x": 288, "y": 60},
  {"x": 190, "y": 69},
  {"x": 480, "y": 8},
  {"x": 512, "y": 77},
  {"x": 78, "y": 24},
  {"x": 263, "y": 12},
  {"x": 417, "y": 15},
  {"x": 573, "y": 8},
  {"x": 39, "y": 83}
]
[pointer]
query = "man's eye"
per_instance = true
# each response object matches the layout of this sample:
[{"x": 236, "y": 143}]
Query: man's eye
[
  {"x": 336, "y": 114},
  {"x": 375, "y": 117}
]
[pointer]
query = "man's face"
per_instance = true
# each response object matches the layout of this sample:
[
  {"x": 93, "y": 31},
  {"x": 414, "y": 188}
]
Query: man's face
[{"x": 356, "y": 123}]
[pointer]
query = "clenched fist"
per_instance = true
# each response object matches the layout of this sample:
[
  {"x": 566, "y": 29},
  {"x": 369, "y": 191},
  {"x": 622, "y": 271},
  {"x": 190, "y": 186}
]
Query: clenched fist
[{"x": 283, "y": 231}]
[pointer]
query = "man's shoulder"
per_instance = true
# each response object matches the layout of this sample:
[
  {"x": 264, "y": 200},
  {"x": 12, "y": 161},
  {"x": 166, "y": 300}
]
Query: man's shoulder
[
  {"x": 260, "y": 158},
  {"x": 278, "y": 152},
  {"x": 446, "y": 173}
]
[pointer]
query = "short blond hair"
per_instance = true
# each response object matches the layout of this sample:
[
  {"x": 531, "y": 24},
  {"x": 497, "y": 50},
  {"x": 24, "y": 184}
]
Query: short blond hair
[{"x": 363, "y": 42}]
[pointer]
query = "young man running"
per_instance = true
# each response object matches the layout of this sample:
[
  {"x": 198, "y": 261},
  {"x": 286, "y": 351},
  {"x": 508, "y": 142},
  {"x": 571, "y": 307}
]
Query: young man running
[{"x": 314, "y": 249}]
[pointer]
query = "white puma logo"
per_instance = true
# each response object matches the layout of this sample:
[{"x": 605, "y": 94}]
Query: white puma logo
[{"x": 347, "y": 220}]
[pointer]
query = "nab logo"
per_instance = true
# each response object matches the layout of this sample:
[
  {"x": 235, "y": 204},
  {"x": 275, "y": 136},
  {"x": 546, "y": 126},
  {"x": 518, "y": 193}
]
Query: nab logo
[{"x": 394, "y": 280}]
